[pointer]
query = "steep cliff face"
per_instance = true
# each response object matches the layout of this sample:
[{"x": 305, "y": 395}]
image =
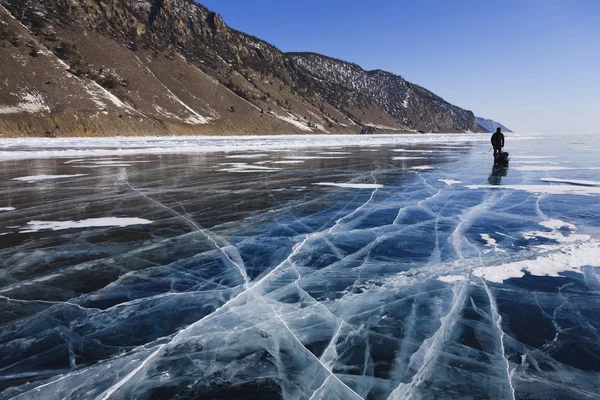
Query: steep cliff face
[{"x": 132, "y": 67}]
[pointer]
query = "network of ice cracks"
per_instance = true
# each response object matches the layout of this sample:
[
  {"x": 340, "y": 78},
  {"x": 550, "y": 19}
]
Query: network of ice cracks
[{"x": 393, "y": 273}]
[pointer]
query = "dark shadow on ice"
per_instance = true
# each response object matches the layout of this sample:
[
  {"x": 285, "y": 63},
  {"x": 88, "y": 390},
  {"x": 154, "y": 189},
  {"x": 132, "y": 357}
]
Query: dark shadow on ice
[{"x": 498, "y": 172}]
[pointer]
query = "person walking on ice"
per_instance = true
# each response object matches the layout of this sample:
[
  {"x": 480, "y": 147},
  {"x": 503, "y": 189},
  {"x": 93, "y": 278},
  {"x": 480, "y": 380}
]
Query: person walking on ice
[{"x": 498, "y": 141}]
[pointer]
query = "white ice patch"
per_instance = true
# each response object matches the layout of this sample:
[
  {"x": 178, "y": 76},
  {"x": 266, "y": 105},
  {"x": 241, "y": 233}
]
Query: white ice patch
[
  {"x": 85, "y": 160},
  {"x": 562, "y": 232},
  {"x": 313, "y": 157},
  {"x": 558, "y": 224},
  {"x": 408, "y": 158},
  {"x": 571, "y": 181},
  {"x": 558, "y": 259},
  {"x": 115, "y": 165},
  {"x": 351, "y": 185},
  {"x": 422, "y": 167},
  {"x": 531, "y": 157},
  {"x": 549, "y": 189},
  {"x": 537, "y": 168},
  {"x": 30, "y": 102},
  {"x": 489, "y": 241},
  {"x": 248, "y": 156},
  {"x": 415, "y": 151},
  {"x": 288, "y": 162},
  {"x": 243, "y": 167},
  {"x": 36, "y": 226},
  {"x": 449, "y": 182},
  {"x": 538, "y": 162},
  {"x": 37, "y": 178},
  {"x": 7, "y": 209},
  {"x": 115, "y": 162},
  {"x": 452, "y": 278}
]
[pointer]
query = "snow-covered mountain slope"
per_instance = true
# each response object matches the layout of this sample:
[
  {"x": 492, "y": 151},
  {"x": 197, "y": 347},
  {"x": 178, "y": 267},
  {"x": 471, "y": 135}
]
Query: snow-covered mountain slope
[
  {"x": 350, "y": 87},
  {"x": 490, "y": 125},
  {"x": 131, "y": 67}
]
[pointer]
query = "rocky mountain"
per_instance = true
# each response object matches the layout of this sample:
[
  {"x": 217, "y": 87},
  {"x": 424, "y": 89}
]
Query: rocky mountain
[
  {"x": 140, "y": 67},
  {"x": 490, "y": 126}
]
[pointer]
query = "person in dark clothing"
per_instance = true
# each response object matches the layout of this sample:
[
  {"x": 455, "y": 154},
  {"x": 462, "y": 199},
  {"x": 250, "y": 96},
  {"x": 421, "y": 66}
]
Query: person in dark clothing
[{"x": 498, "y": 141}]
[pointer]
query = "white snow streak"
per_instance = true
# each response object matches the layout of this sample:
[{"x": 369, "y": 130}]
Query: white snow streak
[{"x": 36, "y": 226}]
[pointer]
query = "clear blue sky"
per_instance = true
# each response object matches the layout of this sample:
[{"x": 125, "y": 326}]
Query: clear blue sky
[{"x": 533, "y": 65}]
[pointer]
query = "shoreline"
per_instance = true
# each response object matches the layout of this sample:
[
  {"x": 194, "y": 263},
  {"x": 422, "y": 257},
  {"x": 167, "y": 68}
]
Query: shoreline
[{"x": 30, "y": 148}]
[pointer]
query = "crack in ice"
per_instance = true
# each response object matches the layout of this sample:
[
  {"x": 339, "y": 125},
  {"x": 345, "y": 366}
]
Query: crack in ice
[
  {"x": 222, "y": 250},
  {"x": 497, "y": 318}
]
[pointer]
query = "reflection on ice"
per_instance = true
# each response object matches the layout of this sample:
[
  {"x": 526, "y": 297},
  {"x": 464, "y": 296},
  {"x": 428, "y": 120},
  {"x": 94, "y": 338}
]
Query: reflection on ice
[{"x": 362, "y": 277}]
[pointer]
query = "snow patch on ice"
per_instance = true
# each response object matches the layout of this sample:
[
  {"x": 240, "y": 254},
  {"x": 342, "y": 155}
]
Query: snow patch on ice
[
  {"x": 408, "y": 158},
  {"x": 37, "y": 178},
  {"x": 415, "y": 151},
  {"x": 288, "y": 162},
  {"x": 558, "y": 224},
  {"x": 248, "y": 156},
  {"x": 449, "y": 182},
  {"x": 85, "y": 160},
  {"x": 244, "y": 167},
  {"x": 531, "y": 157},
  {"x": 538, "y": 162},
  {"x": 452, "y": 278},
  {"x": 351, "y": 185},
  {"x": 571, "y": 181},
  {"x": 562, "y": 232},
  {"x": 535, "y": 168},
  {"x": 422, "y": 167},
  {"x": 103, "y": 165},
  {"x": 313, "y": 157},
  {"x": 7, "y": 209},
  {"x": 489, "y": 241},
  {"x": 36, "y": 226},
  {"x": 549, "y": 189},
  {"x": 558, "y": 259}
]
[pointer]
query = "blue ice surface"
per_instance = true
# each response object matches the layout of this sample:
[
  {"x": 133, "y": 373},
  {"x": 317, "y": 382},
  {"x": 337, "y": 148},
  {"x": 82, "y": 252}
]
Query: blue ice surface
[{"x": 257, "y": 283}]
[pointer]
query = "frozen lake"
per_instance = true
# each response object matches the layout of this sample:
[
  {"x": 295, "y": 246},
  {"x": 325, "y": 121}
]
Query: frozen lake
[{"x": 317, "y": 267}]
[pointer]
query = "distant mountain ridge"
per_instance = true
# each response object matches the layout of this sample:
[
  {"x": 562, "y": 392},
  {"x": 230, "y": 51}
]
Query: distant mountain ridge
[
  {"x": 491, "y": 126},
  {"x": 134, "y": 67},
  {"x": 348, "y": 85}
]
